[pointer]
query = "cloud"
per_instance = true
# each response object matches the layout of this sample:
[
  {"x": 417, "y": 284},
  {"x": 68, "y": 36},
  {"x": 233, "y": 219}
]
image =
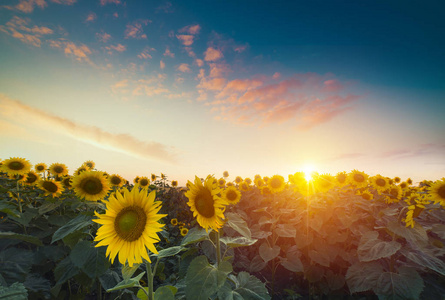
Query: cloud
[
  {"x": 184, "y": 68},
  {"x": 120, "y": 87},
  {"x": 64, "y": 2},
  {"x": 135, "y": 30},
  {"x": 191, "y": 29},
  {"x": 79, "y": 52},
  {"x": 166, "y": 8},
  {"x": 240, "y": 48},
  {"x": 199, "y": 62},
  {"x": 186, "y": 39},
  {"x": 91, "y": 17},
  {"x": 332, "y": 86},
  {"x": 103, "y": 36},
  {"x": 105, "y": 2},
  {"x": 162, "y": 65},
  {"x": 415, "y": 151},
  {"x": 145, "y": 54},
  {"x": 118, "y": 142},
  {"x": 168, "y": 53},
  {"x": 118, "y": 48},
  {"x": 19, "y": 28},
  {"x": 27, "y": 6},
  {"x": 212, "y": 54}
]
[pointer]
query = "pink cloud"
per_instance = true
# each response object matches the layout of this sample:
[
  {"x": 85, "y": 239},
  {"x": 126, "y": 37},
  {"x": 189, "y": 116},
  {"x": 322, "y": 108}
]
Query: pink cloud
[
  {"x": 332, "y": 86},
  {"x": 64, "y": 2},
  {"x": 212, "y": 54},
  {"x": 191, "y": 29},
  {"x": 168, "y": 53},
  {"x": 213, "y": 84},
  {"x": 240, "y": 49},
  {"x": 118, "y": 48},
  {"x": 219, "y": 70},
  {"x": 186, "y": 39},
  {"x": 18, "y": 28},
  {"x": 166, "y": 8},
  {"x": 116, "y": 15},
  {"x": 276, "y": 75},
  {"x": 91, "y": 17},
  {"x": 79, "y": 52},
  {"x": 184, "y": 68},
  {"x": 105, "y": 2},
  {"x": 146, "y": 53},
  {"x": 103, "y": 37},
  {"x": 199, "y": 62},
  {"x": 27, "y": 6},
  {"x": 135, "y": 29},
  {"x": 162, "y": 65},
  {"x": 190, "y": 52}
]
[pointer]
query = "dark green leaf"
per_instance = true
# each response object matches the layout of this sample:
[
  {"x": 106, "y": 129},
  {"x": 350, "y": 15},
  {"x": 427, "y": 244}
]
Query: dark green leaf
[
  {"x": 257, "y": 264},
  {"x": 372, "y": 248},
  {"x": 267, "y": 253},
  {"x": 239, "y": 241},
  {"x": 238, "y": 224},
  {"x": 194, "y": 235},
  {"x": 164, "y": 293},
  {"x": 169, "y": 251},
  {"x": 362, "y": 277},
  {"x": 416, "y": 235},
  {"x": 127, "y": 283},
  {"x": 406, "y": 284},
  {"x": 425, "y": 259},
  {"x": 320, "y": 258},
  {"x": 91, "y": 260},
  {"x": 36, "y": 283},
  {"x": 65, "y": 270},
  {"x": 26, "y": 238},
  {"x": 75, "y": 224},
  {"x": 15, "y": 264},
  {"x": 16, "y": 291},
  {"x": 49, "y": 206},
  {"x": 9, "y": 209},
  {"x": 203, "y": 279}
]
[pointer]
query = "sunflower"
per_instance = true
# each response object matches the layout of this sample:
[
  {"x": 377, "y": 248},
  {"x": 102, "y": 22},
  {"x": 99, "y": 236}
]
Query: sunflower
[
  {"x": 89, "y": 164},
  {"x": 403, "y": 185},
  {"x": 230, "y": 184},
  {"x": 409, "y": 181},
  {"x": 248, "y": 180},
  {"x": 395, "y": 194},
  {"x": 266, "y": 179},
  {"x": 91, "y": 185},
  {"x": 244, "y": 186},
  {"x": 238, "y": 179},
  {"x": 174, "y": 183},
  {"x": 143, "y": 182},
  {"x": 153, "y": 177},
  {"x": 32, "y": 178},
  {"x": 226, "y": 174},
  {"x": 298, "y": 179},
  {"x": 184, "y": 231},
  {"x": 276, "y": 184},
  {"x": 136, "y": 179},
  {"x": 397, "y": 179},
  {"x": 222, "y": 182},
  {"x": 324, "y": 183},
  {"x": 232, "y": 195},
  {"x": 205, "y": 203},
  {"x": 116, "y": 180},
  {"x": 15, "y": 166},
  {"x": 51, "y": 187},
  {"x": 130, "y": 226},
  {"x": 58, "y": 169},
  {"x": 259, "y": 182},
  {"x": 80, "y": 170},
  {"x": 174, "y": 222},
  {"x": 366, "y": 195},
  {"x": 379, "y": 182},
  {"x": 163, "y": 176},
  {"x": 436, "y": 192},
  {"x": 40, "y": 168},
  {"x": 358, "y": 179},
  {"x": 341, "y": 178},
  {"x": 66, "y": 181}
]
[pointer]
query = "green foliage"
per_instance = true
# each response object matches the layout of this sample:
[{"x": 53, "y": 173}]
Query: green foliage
[{"x": 16, "y": 291}]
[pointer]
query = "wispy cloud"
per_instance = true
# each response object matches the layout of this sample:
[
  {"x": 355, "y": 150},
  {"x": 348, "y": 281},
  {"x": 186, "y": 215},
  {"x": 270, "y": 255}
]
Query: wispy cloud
[
  {"x": 191, "y": 29},
  {"x": 118, "y": 48},
  {"x": 167, "y": 7},
  {"x": 186, "y": 39},
  {"x": 91, "y": 17},
  {"x": 105, "y": 2},
  {"x": 145, "y": 54},
  {"x": 19, "y": 28},
  {"x": 415, "y": 151},
  {"x": 168, "y": 52},
  {"x": 161, "y": 65},
  {"x": 27, "y": 6},
  {"x": 184, "y": 68},
  {"x": 79, "y": 52},
  {"x": 123, "y": 143},
  {"x": 64, "y": 2},
  {"x": 103, "y": 36},
  {"x": 135, "y": 29},
  {"x": 212, "y": 54}
]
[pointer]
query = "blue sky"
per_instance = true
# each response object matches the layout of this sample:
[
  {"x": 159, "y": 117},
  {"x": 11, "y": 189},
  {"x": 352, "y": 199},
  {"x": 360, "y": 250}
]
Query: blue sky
[{"x": 198, "y": 87}]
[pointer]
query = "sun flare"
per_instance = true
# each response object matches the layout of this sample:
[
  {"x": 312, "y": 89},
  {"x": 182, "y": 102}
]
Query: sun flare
[{"x": 308, "y": 171}]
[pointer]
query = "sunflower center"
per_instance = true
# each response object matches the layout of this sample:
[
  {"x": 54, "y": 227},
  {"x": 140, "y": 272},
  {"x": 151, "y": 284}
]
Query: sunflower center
[
  {"x": 394, "y": 193},
  {"x": 275, "y": 183},
  {"x": 40, "y": 168},
  {"x": 441, "y": 192},
  {"x": 58, "y": 169},
  {"x": 31, "y": 178},
  {"x": 115, "y": 180},
  {"x": 67, "y": 182},
  {"x": 366, "y": 196},
  {"x": 231, "y": 195},
  {"x": 130, "y": 223},
  {"x": 92, "y": 186},
  {"x": 204, "y": 203},
  {"x": 143, "y": 182},
  {"x": 50, "y": 186},
  {"x": 16, "y": 165},
  {"x": 341, "y": 178},
  {"x": 380, "y": 182},
  {"x": 359, "y": 177}
]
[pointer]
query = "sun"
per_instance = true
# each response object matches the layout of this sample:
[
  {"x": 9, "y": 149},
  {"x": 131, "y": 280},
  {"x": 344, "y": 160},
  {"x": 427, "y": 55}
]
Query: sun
[{"x": 308, "y": 172}]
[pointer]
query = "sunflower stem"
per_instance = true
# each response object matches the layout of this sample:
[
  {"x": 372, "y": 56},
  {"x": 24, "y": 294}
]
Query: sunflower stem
[
  {"x": 218, "y": 249},
  {"x": 150, "y": 281},
  {"x": 18, "y": 194}
]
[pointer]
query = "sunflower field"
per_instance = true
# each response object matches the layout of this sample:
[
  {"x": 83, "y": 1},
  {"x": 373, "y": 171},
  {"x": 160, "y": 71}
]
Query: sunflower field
[{"x": 87, "y": 234}]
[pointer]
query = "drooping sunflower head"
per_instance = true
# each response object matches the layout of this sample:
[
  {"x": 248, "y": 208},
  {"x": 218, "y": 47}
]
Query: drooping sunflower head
[
  {"x": 380, "y": 183},
  {"x": 232, "y": 195},
  {"x": 276, "y": 184},
  {"x": 40, "y": 168},
  {"x": 436, "y": 192},
  {"x": 116, "y": 180},
  {"x": 15, "y": 166},
  {"x": 51, "y": 187},
  {"x": 205, "y": 203},
  {"x": 397, "y": 179},
  {"x": 130, "y": 226},
  {"x": 174, "y": 183},
  {"x": 89, "y": 164},
  {"x": 163, "y": 176},
  {"x": 259, "y": 182},
  {"x": 409, "y": 181},
  {"x": 358, "y": 179},
  {"x": 143, "y": 182},
  {"x": 91, "y": 185},
  {"x": 32, "y": 178},
  {"x": 58, "y": 169}
]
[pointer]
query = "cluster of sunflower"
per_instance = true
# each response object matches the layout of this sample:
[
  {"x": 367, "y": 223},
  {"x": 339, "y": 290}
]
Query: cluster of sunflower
[{"x": 181, "y": 226}]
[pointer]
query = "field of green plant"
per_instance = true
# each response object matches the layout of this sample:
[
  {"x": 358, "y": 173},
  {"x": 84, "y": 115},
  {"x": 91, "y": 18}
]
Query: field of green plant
[{"x": 87, "y": 234}]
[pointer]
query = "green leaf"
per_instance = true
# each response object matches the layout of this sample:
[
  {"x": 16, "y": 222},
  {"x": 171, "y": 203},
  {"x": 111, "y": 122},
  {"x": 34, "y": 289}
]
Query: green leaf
[
  {"x": 321, "y": 259},
  {"x": 335, "y": 281},
  {"x": 257, "y": 264},
  {"x": 49, "y": 206},
  {"x": 293, "y": 264},
  {"x": 9, "y": 209},
  {"x": 425, "y": 259},
  {"x": 65, "y": 270},
  {"x": 27, "y": 238},
  {"x": 91, "y": 260},
  {"x": 406, "y": 284},
  {"x": 127, "y": 283},
  {"x": 362, "y": 277},
  {"x": 164, "y": 293},
  {"x": 36, "y": 283},
  {"x": 416, "y": 235},
  {"x": 169, "y": 251},
  {"x": 15, "y": 264},
  {"x": 372, "y": 248},
  {"x": 239, "y": 241},
  {"x": 286, "y": 230},
  {"x": 75, "y": 224},
  {"x": 16, "y": 291},
  {"x": 203, "y": 279},
  {"x": 267, "y": 253},
  {"x": 127, "y": 271},
  {"x": 238, "y": 224},
  {"x": 195, "y": 235},
  {"x": 248, "y": 287}
]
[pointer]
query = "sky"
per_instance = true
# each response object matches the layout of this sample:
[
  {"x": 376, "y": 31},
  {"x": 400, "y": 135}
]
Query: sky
[{"x": 201, "y": 87}]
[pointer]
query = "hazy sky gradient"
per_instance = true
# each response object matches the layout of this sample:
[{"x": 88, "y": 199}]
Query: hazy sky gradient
[{"x": 199, "y": 87}]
